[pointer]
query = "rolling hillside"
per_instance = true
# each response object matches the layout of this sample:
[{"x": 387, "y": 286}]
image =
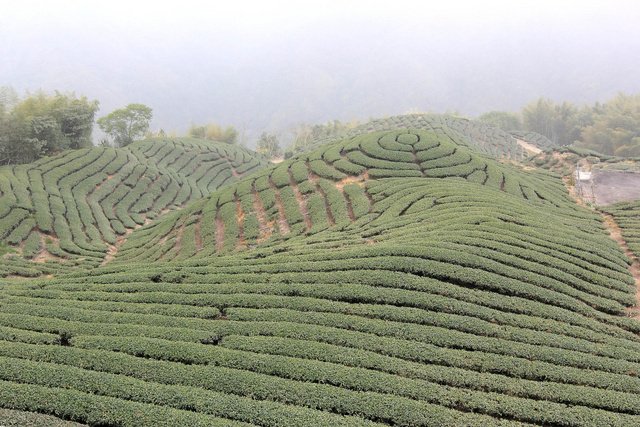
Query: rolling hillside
[
  {"x": 393, "y": 278},
  {"x": 77, "y": 207},
  {"x": 627, "y": 217},
  {"x": 484, "y": 137},
  {"x": 330, "y": 186}
]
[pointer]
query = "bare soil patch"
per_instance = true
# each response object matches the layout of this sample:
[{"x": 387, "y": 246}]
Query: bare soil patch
[
  {"x": 44, "y": 256},
  {"x": 360, "y": 179},
  {"x": 529, "y": 147},
  {"x": 219, "y": 231},
  {"x": 612, "y": 187}
]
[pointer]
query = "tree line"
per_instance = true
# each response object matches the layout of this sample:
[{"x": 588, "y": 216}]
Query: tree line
[
  {"x": 41, "y": 124},
  {"x": 612, "y": 127}
]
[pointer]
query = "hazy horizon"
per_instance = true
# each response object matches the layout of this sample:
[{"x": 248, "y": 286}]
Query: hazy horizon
[{"x": 264, "y": 66}]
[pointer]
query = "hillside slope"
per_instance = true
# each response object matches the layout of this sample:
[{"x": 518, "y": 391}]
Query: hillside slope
[
  {"x": 387, "y": 279},
  {"x": 483, "y": 137},
  {"x": 327, "y": 187},
  {"x": 78, "y": 206}
]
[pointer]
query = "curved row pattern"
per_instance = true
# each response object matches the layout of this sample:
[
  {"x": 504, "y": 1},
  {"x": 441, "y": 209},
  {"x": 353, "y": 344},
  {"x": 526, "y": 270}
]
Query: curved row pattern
[{"x": 79, "y": 205}]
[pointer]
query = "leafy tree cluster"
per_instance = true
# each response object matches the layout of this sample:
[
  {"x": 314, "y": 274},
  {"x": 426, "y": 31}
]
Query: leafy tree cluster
[
  {"x": 614, "y": 127},
  {"x": 562, "y": 123},
  {"x": 302, "y": 135},
  {"x": 269, "y": 145},
  {"x": 502, "y": 119},
  {"x": 126, "y": 125},
  {"x": 611, "y": 128},
  {"x": 213, "y": 132},
  {"x": 41, "y": 124}
]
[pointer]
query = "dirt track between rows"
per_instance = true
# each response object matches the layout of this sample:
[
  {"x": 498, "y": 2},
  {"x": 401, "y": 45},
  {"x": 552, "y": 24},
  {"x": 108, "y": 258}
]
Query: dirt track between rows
[{"x": 634, "y": 268}]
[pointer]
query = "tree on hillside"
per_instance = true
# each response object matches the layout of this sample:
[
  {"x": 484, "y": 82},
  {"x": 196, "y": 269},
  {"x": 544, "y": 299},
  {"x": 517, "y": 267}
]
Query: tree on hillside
[
  {"x": 269, "y": 145},
  {"x": 8, "y": 98},
  {"x": 537, "y": 116},
  {"x": 43, "y": 124},
  {"x": 126, "y": 124},
  {"x": 213, "y": 132},
  {"x": 615, "y": 127},
  {"x": 301, "y": 135},
  {"x": 502, "y": 119},
  {"x": 561, "y": 123}
]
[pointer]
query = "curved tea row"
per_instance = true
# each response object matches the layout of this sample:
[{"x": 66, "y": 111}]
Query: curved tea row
[
  {"x": 483, "y": 137},
  {"x": 387, "y": 279},
  {"x": 328, "y": 187},
  {"x": 77, "y": 205}
]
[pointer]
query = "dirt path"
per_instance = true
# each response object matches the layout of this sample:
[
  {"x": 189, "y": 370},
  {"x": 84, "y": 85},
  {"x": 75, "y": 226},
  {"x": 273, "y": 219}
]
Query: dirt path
[
  {"x": 219, "y": 231},
  {"x": 283, "y": 225},
  {"x": 634, "y": 268},
  {"x": 529, "y": 147},
  {"x": 302, "y": 202}
]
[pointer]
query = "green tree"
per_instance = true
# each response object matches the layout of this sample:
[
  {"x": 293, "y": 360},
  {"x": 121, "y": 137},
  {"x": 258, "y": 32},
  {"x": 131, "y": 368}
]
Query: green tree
[
  {"x": 502, "y": 119},
  {"x": 213, "y": 132},
  {"x": 561, "y": 123},
  {"x": 269, "y": 145},
  {"x": 8, "y": 98},
  {"x": 537, "y": 116},
  {"x": 126, "y": 124},
  {"x": 43, "y": 124},
  {"x": 614, "y": 127}
]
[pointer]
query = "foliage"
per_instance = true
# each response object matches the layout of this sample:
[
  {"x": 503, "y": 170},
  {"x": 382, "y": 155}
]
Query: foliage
[
  {"x": 615, "y": 127},
  {"x": 302, "y": 135},
  {"x": 443, "y": 301},
  {"x": 503, "y": 120},
  {"x": 388, "y": 278},
  {"x": 612, "y": 128},
  {"x": 627, "y": 216},
  {"x": 42, "y": 124},
  {"x": 269, "y": 145},
  {"x": 213, "y": 132},
  {"x": 127, "y": 124},
  {"x": 561, "y": 123}
]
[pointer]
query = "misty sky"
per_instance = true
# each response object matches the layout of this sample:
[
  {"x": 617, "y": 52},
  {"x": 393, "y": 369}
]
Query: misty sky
[{"x": 265, "y": 65}]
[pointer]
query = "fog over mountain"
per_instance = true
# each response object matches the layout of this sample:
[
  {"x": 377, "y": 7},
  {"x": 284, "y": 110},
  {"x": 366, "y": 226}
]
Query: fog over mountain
[{"x": 266, "y": 66}]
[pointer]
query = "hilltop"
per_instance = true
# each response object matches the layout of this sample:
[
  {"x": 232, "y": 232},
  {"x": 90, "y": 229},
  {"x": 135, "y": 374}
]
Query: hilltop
[
  {"x": 487, "y": 138},
  {"x": 392, "y": 278},
  {"x": 77, "y": 209},
  {"x": 331, "y": 186}
]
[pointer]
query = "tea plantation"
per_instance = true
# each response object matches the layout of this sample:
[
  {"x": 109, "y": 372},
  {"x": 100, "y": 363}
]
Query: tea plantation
[
  {"x": 78, "y": 206},
  {"x": 627, "y": 216},
  {"x": 332, "y": 186},
  {"x": 481, "y": 136},
  {"x": 391, "y": 278}
]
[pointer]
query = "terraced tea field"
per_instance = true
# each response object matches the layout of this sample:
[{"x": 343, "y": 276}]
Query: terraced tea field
[
  {"x": 78, "y": 206},
  {"x": 486, "y": 138},
  {"x": 330, "y": 187},
  {"x": 393, "y": 278},
  {"x": 627, "y": 217}
]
